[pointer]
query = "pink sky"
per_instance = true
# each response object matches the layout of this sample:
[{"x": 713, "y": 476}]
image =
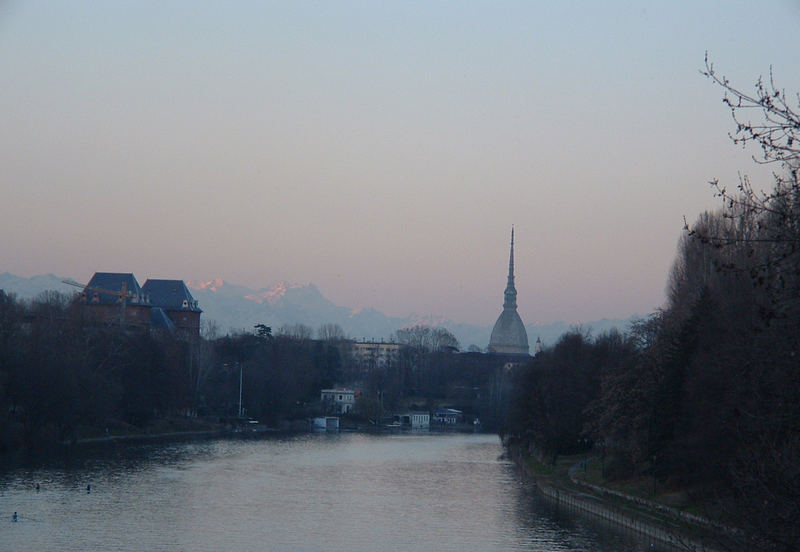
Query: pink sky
[{"x": 381, "y": 151}]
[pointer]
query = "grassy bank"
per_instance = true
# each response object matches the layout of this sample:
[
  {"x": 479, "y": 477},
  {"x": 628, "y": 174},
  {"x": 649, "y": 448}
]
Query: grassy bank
[{"x": 667, "y": 515}]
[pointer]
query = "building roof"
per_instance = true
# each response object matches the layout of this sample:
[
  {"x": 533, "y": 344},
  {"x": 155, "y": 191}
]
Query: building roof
[
  {"x": 509, "y": 335},
  {"x": 113, "y": 282},
  {"x": 170, "y": 295},
  {"x": 160, "y": 321}
]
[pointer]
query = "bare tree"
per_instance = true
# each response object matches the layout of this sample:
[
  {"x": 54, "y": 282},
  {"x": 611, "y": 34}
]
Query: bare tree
[
  {"x": 777, "y": 129},
  {"x": 331, "y": 332},
  {"x": 761, "y": 217},
  {"x": 443, "y": 340},
  {"x": 427, "y": 339},
  {"x": 300, "y": 332},
  {"x": 754, "y": 239}
]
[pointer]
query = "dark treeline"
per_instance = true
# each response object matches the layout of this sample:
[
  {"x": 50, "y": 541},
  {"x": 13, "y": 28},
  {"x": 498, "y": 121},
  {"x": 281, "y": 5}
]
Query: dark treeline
[
  {"x": 282, "y": 375},
  {"x": 57, "y": 375},
  {"x": 62, "y": 379},
  {"x": 705, "y": 394}
]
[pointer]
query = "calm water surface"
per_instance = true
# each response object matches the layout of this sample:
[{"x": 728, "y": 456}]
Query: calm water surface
[{"x": 345, "y": 492}]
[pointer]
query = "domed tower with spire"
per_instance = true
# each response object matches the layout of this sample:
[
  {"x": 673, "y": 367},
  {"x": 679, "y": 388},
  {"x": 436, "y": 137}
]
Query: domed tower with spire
[{"x": 508, "y": 335}]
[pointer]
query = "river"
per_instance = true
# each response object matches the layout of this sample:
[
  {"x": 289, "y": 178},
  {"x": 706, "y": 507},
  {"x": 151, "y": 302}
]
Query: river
[{"x": 310, "y": 492}]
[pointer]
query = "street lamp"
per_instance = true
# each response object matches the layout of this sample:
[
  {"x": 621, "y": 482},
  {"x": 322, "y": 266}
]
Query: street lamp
[{"x": 240, "y": 390}]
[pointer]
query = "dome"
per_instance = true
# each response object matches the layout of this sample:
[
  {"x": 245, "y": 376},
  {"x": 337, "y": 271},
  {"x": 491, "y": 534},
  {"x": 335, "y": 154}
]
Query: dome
[{"x": 509, "y": 335}]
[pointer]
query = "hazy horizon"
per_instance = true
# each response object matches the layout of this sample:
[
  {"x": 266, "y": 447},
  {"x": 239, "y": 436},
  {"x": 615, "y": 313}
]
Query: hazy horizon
[{"x": 381, "y": 151}]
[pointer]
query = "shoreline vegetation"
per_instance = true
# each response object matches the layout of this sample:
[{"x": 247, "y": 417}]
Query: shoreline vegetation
[
  {"x": 567, "y": 483},
  {"x": 64, "y": 378},
  {"x": 187, "y": 428},
  {"x": 175, "y": 428},
  {"x": 697, "y": 407}
]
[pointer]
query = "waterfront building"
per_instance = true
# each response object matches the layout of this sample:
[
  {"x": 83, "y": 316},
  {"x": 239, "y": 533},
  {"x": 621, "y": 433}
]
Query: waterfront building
[
  {"x": 325, "y": 423},
  {"x": 509, "y": 335},
  {"x": 448, "y": 416},
  {"x": 415, "y": 420},
  {"x": 174, "y": 308},
  {"x": 338, "y": 401},
  {"x": 116, "y": 299}
]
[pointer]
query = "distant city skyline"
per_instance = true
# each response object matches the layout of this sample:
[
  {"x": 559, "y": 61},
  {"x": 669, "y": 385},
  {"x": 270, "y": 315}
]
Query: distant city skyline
[
  {"x": 381, "y": 151},
  {"x": 230, "y": 308}
]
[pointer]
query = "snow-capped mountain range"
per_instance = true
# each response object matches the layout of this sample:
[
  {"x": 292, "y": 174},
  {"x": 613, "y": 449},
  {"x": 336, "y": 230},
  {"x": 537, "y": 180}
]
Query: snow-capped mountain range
[{"x": 237, "y": 308}]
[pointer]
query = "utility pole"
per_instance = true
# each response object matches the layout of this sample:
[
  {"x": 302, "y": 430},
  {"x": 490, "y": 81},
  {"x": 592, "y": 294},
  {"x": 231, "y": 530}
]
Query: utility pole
[{"x": 240, "y": 390}]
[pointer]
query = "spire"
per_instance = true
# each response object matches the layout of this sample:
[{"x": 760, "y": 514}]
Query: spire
[
  {"x": 509, "y": 335},
  {"x": 511, "y": 292}
]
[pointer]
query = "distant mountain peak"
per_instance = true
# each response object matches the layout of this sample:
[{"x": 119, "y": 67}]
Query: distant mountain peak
[
  {"x": 280, "y": 291},
  {"x": 210, "y": 285},
  {"x": 237, "y": 307}
]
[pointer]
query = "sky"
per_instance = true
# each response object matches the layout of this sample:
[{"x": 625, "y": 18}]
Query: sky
[{"x": 380, "y": 150}]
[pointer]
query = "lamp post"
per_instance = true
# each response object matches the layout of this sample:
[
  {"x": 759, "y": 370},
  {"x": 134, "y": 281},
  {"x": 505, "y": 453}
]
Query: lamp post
[{"x": 240, "y": 390}]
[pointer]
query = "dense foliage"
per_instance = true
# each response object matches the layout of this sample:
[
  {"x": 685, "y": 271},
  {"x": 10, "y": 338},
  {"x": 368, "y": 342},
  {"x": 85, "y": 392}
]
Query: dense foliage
[
  {"x": 705, "y": 394},
  {"x": 62, "y": 379},
  {"x": 57, "y": 375},
  {"x": 281, "y": 376}
]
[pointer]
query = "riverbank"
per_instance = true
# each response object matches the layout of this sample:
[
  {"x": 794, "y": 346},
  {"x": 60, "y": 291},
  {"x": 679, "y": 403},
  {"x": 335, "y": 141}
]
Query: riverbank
[
  {"x": 170, "y": 428},
  {"x": 564, "y": 483}
]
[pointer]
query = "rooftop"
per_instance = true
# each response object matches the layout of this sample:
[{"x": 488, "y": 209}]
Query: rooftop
[
  {"x": 106, "y": 288},
  {"x": 170, "y": 294}
]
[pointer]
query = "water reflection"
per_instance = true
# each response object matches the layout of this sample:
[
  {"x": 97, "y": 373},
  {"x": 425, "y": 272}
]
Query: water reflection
[{"x": 308, "y": 492}]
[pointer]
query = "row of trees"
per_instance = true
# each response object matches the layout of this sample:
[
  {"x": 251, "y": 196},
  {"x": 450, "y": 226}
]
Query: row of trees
[
  {"x": 281, "y": 376},
  {"x": 62, "y": 379},
  {"x": 705, "y": 394},
  {"x": 56, "y": 374}
]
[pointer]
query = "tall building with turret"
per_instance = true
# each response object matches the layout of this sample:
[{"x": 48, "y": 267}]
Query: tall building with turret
[{"x": 509, "y": 335}]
